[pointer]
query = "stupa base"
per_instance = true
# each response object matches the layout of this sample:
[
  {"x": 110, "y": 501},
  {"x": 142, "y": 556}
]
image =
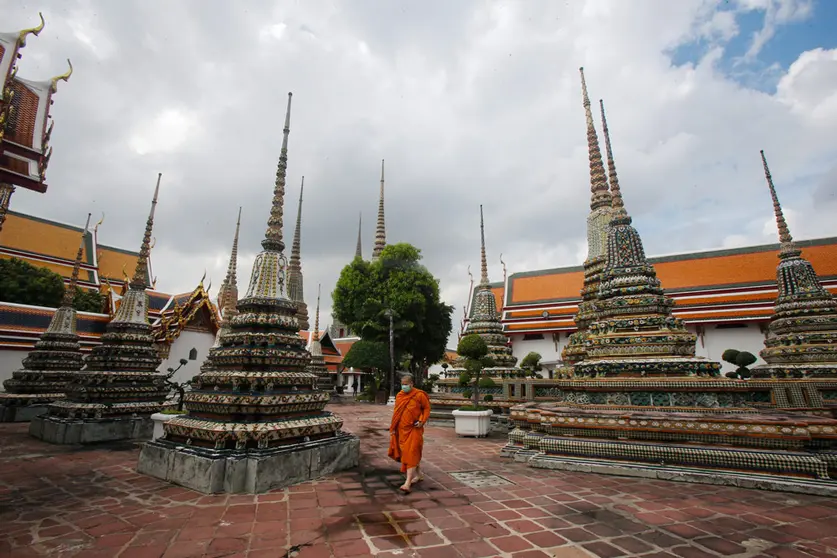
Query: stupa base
[
  {"x": 807, "y": 465},
  {"x": 22, "y": 407},
  {"x": 58, "y": 430},
  {"x": 247, "y": 471}
]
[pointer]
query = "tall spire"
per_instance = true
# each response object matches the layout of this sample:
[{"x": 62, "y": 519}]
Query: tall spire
[
  {"x": 140, "y": 280},
  {"x": 70, "y": 290},
  {"x": 316, "y": 333},
  {"x": 295, "y": 247},
  {"x": 616, "y": 194},
  {"x": 380, "y": 229},
  {"x": 228, "y": 293},
  {"x": 359, "y": 248},
  {"x": 273, "y": 235},
  {"x": 483, "y": 260},
  {"x": 295, "y": 282},
  {"x": 785, "y": 238},
  {"x": 598, "y": 180}
]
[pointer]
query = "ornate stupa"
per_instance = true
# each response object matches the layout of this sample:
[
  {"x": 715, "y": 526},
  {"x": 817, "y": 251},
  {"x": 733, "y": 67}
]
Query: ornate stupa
[
  {"x": 228, "y": 293},
  {"x": 318, "y": 365},
  {"x": 255, "y": 414},
  {"x": 53, "y": 361},
  {"x": 380, "y": 227},
  {"x": 634, "y": 332},
  {"x": 802, "y": 336},
  {"x": 118, "y": 390},
  {"x": 485, "y": 320},
  {"x": 295, "y": 290},
  {"x": 598, "y": 221}
]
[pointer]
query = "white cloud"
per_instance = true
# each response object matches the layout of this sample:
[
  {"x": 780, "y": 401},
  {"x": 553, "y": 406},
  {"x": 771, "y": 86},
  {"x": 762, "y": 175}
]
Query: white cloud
[
  {"x": 167, "y": 132},
  {"x": 810, "y": 86}
]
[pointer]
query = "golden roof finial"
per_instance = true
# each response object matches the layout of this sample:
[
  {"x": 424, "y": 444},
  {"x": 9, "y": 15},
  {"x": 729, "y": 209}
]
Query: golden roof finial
[
  {"x": 102, "y": 220},
  {"x": 63, "y": 77},
  {"x": 202, "y": 278},
  {"x": 208, "y": 287},
  {"x": 785, "y": 238},
  {"x": 21, "y": 39}
]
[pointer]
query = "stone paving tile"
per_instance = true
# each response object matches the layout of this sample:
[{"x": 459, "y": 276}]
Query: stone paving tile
[{"x": 89, "y": 502}]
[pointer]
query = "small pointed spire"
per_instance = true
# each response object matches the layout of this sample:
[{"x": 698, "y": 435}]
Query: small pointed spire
[
  {"x": 140, "y": 280},
  {"x": 70, "y": 289},
  {"x": 273, "y": 235},
  {"x": 295, "y": 246},
  {"x": 359, "y": 248},
  {"x": 316, "y": 333},
  {"x": 598, "y": 180},
  {"x": 483, "y": 260},
  {"x": 785, "y": 238},
  {"x": 380, "y": 229},
  {"x": 616, "y": 193},
  {"x": 228, "y": 293}
]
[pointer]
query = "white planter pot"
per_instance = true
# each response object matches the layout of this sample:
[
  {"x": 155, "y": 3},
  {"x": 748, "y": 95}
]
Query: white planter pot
[
  {"x": 159, "y": 420},
  {"x": 472, "y": 423}
]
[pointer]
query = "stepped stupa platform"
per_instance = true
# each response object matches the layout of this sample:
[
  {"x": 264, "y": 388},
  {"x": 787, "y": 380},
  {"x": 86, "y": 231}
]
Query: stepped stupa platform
[
  {"x": 256, "y": 419},
  {"x": 641, "y": 403}
]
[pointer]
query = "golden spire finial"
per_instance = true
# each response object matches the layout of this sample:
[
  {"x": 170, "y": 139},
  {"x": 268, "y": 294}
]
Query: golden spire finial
[
  {"x": 21, "y": 38},
  {"x": 785, "y": 238},
  {"x": 102, "y": 220},
  {"x": 616, "y": 193},
  {"x": 200, "y": 283},
  {"x": 140, "y": 279},
  {"x": 483, "y": 260},
  {"x": 70, "y": 290},
  {"x": 273, "y": 234},
  {"x": 598, "y": 180},
  {"x": 63, "y": 77}
]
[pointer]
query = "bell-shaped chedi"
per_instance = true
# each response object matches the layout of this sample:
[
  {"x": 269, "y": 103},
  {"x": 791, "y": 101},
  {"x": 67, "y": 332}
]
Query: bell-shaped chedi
[
  {"x": 50, "y": 365},
  {"x": 802, "y": 336},
  {"x": 485, "y": 320},
  {"x": 256, "y": 419},
  {"x": 634, "y": 332},
  {"x": 118, "y": 390},
  {"x": 601, "y": 212}
]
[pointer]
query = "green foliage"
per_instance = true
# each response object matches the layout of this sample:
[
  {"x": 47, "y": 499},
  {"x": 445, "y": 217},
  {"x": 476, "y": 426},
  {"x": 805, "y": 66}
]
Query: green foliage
[
  {"x": 531, "y": 362},
  {"x": 396, "y": 281},
  {"x": 173, "y": 412},
  {"x": 472, "y": 346},
  {"x": 24, "y": 283},
  {"x": 741, "y": 359},
  {"x": 487, "y": 382},
  {"x": 473, "y": 408},
  {"x": 368, "y": 355},
  {"x": 465, "y": 379},
  {"x": 488, "y": 397},
  {"x": 467, "y": 394}
]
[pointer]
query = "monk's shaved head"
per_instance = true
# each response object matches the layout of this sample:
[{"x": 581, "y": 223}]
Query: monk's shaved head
[{"x": 407, "y": 379}]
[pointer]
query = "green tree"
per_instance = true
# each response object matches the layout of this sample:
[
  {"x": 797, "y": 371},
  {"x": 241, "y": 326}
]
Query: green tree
[
  {"x": 474, "y": 350},
  {"x": 398, "y": 282},
  {"x": 24, "y": 283},
  {"x": 368, "y": 355},
  {"x": 741, "y": 359},
  {"x": 531, "y": 363}
]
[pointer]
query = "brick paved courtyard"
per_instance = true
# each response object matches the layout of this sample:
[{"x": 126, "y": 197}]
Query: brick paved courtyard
[{"x": 90, "y": 503}]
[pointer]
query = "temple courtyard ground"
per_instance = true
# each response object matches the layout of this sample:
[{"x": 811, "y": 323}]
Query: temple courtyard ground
[{"x": 89, "y": 502}]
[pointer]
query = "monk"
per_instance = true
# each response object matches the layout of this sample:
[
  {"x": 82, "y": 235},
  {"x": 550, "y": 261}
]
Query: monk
[{"x": 412, "y": 409}]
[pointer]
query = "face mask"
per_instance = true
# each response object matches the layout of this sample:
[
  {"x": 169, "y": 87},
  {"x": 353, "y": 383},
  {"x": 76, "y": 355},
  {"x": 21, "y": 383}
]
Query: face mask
[{"x": 406, "y": 389}]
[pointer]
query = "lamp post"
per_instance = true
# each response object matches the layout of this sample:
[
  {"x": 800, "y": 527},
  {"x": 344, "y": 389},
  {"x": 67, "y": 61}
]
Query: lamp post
[{"x": 391, "y": 401}]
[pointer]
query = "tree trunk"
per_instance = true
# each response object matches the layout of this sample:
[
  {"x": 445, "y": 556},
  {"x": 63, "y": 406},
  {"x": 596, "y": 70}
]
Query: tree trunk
[{"x": 477, "y": 391}]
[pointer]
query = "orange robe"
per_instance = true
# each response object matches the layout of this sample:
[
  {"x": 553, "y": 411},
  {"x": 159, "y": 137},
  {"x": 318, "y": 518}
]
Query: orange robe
[{"x": 405, "y": 440}]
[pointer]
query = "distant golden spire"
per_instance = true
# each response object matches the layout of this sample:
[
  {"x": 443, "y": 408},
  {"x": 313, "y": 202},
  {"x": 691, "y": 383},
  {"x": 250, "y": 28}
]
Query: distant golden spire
[
  {"x": 598, "y": 181},
  {"x": 785, "y": 238},
  {"x": 70, "y": 290},
  {"x": 616, "y": 194},
  {"x": 140, "y": 279}
]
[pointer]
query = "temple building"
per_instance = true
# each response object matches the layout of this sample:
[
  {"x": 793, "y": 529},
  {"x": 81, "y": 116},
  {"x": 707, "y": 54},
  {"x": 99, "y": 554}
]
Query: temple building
[
  {"x": 51, "y": 363},
  {"x": 25, "y": 126},
  {"x": 255, "y": 413},
  {"x": 118, "y": 390},
  {"x": 180, "y": 322}
]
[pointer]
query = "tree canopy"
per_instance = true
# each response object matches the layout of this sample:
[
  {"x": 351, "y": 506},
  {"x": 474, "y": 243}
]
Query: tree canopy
[
  {"x": 396, "y": 281},
  {"x": 24, "y": 283},
  {"x": 367, "y": 355}
]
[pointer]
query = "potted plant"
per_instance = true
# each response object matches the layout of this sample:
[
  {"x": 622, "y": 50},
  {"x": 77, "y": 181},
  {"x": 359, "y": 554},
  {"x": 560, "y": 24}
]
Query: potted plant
[
  {"x": 159, "y": 419},
  {"x": 473, "y": 420}
]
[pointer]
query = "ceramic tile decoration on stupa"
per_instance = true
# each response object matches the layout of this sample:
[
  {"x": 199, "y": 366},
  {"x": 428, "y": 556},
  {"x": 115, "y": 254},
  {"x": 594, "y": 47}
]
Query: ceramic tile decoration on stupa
[
  {"x": 325, "y": 381},
  {"x": 601, "y": 212},
  {"x": 485, "y": 320},
  {"x": 380, "y": 226},
  {"x": 801, "y": 338},
  {"x": 228, "y": 293},
  {"x": 118, "y": 390},
  {"x": 295, "y": 288},
  {"x": 256, "y": 419},
  {"x": 50, "y": 365}
]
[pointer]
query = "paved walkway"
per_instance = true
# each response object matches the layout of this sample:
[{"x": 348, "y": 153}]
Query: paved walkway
[{"x": 90, "y": 503}]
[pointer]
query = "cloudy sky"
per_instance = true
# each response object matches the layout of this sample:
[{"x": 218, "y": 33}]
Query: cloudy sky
[{"x": 470, "y": 102}]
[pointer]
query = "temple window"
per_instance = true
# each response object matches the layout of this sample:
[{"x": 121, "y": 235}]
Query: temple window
[
  {"x": 730, "y": 326},
  {"x": 532, "y": 336}
]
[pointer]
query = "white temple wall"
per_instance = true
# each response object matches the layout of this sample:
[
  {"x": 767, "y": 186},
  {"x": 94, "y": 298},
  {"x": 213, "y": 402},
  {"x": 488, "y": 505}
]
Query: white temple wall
[
  {"x": 548, "y": 347},
  {"x": 200, "y": 340},
  {"x": 10, "y": 361},
  {"x": 716, "y": 340}
]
